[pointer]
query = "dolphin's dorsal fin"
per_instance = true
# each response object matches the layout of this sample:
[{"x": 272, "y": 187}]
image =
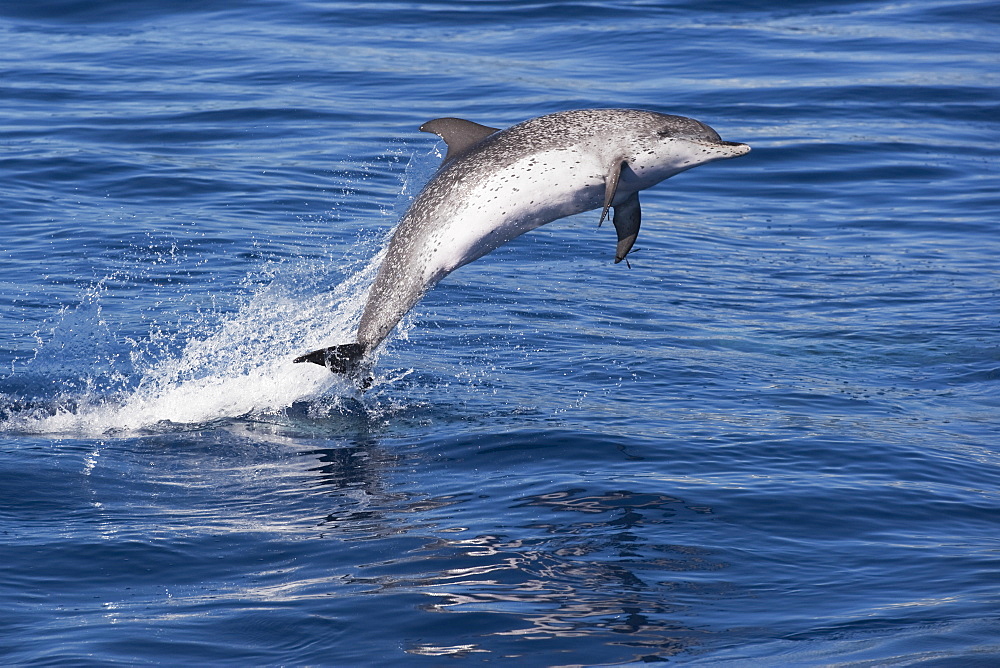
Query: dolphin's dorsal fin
[
  {"x": 628, "y": 215},
  {"x": 460, "y": 135}
]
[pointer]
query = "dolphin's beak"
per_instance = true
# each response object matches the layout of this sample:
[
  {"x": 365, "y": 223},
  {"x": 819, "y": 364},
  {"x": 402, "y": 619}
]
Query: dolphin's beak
[{"x": 736, "y": 149}]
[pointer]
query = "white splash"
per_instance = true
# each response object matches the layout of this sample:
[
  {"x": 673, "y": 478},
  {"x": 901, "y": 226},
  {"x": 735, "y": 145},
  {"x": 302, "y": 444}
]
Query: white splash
[{"x": 244, "y": 366}]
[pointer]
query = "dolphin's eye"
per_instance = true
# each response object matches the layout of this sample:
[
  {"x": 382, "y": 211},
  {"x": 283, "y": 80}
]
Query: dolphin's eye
[{"x": 665, "y": 133}]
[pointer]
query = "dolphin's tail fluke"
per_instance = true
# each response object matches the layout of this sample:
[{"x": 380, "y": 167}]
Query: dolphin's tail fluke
[{"x": 338, "y": 359}]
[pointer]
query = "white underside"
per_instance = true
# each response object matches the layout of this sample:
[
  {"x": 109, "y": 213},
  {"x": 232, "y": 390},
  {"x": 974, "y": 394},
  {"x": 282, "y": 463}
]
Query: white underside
[{"x": 515, "y": 200}]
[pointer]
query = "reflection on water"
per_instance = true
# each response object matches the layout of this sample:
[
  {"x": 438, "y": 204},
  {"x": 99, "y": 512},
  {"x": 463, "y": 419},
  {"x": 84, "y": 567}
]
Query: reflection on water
[
  {"x": 571, "y": 579},
  {"x": 569, "y": 563}
]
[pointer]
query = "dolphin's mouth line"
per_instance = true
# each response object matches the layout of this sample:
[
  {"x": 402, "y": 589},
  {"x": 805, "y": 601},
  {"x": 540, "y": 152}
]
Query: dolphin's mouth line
[
  {"x": 742, "y": 148},
  {"x": 717, "y": 144}
]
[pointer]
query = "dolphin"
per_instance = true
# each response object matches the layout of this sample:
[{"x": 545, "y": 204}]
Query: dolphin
[{"x": 495, "y": 185}]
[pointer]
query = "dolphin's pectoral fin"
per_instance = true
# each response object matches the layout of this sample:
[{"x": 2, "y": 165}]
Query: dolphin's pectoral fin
[
  {"x": 611, "y": 187},
  {"x": 338, "y": 359},
  {"x": 458, "y": 134},
  {"x": 628, "y": 215}
]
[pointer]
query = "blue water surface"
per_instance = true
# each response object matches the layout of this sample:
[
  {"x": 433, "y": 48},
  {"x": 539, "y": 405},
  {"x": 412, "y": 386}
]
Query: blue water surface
[{"x": 775, "y": 440}]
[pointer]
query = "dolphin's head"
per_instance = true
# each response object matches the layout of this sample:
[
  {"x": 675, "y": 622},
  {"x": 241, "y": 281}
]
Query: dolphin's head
[{"x": 664, "y": 145}]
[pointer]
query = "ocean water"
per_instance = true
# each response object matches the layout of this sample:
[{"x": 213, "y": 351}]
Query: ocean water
[{"x": 774, "y": 441}]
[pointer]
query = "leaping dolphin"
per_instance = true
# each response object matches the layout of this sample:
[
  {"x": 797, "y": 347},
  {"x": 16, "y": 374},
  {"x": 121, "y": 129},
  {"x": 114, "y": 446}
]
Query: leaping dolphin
[{"x": 495, "y": 185}]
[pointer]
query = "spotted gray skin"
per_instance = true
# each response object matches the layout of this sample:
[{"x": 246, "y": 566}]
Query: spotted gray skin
[{"x": 495, "y": 185}]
